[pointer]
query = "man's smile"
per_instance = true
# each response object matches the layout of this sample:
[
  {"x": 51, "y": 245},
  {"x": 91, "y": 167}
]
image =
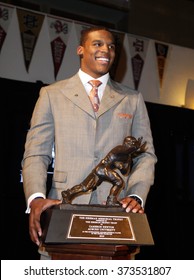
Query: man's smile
[{"x": 104, "y": 60}]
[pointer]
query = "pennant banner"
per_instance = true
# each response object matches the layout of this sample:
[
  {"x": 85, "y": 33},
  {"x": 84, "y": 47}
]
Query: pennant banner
[
  {"x": 161, "y": 53},
  {"x": 119, "y": 45},
  {"x": 59, "y": 31},
  {"x": 138, "y": 49},
  {"x": 30, "y": 25},
  {"x": 5, "y": 18}
]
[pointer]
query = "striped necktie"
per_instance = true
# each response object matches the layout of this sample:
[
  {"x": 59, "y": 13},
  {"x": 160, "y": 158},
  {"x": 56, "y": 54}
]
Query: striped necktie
[{"x": 93, "y": 95}]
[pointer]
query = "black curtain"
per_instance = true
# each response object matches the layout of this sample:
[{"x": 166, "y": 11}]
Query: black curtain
[{"x": 18, "y": 101}]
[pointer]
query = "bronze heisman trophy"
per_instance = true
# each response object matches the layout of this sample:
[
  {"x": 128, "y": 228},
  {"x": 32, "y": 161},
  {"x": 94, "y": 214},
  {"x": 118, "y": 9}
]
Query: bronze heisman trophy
[{"x": 120, "y": 158}]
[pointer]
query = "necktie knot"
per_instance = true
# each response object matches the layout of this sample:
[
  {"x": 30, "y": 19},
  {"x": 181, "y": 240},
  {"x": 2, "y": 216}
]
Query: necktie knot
[
  {"x": 93, "y": 95},
  {"x": 95, "y": 83}
]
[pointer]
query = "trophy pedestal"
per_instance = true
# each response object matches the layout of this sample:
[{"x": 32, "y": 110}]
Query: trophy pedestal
[
  {"x": 94, "y": 224},
  {"x": 91, "y": 251}
]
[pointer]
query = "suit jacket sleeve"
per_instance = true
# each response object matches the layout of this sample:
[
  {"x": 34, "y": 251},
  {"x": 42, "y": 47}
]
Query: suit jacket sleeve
[{"x": 141, "y": 177}]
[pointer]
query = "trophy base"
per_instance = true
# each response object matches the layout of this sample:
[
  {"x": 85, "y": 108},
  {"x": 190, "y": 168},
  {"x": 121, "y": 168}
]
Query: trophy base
[{"x": 99, "y": 224}]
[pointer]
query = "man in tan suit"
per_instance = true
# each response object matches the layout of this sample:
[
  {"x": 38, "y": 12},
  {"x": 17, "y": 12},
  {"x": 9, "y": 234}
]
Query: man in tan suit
[{"x": 64, "y": 118}]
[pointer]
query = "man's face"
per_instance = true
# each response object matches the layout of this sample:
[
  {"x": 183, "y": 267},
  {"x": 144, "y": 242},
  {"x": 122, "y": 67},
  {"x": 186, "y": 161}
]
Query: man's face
[{"x": 97, "y": 53}]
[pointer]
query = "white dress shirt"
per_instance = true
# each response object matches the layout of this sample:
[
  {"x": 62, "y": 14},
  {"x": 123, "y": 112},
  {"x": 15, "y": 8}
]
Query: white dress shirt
[{"x": 85, "y": 78}]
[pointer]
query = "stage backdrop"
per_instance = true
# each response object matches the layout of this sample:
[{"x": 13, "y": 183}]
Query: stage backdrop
[{"x": 36, "y": 46}]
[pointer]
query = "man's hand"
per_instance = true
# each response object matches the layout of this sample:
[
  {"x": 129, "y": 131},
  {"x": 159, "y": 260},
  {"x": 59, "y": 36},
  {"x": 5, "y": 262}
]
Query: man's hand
[
  {"x": 131, "y": 205},
  {"x": 37, "y": 206}
]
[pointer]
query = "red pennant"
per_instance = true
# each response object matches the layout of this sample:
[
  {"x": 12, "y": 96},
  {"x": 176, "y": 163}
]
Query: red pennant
[
  {"x": 2, "y": 37},
  {"x": 161, "y": 52},
  {"x": 58, "y": 49}
]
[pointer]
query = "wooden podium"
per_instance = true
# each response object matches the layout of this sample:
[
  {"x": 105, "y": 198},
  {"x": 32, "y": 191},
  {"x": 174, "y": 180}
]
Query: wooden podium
[{"x": 91, "y": 251}]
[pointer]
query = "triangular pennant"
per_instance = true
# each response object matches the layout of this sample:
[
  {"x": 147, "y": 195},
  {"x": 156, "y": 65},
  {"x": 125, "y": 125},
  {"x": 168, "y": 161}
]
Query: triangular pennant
[
  {"x": 137, "y": 66},
  {"x": 161, "y": 53},
  {"x": 138, "y": 49},
  {"x": 124, "y": 72},
  {"x": 5, "y": 18},
  {"x": 59, "y": 30},
  {"x": 30, "y": 25},
  {"x": 119, "y": 45}
]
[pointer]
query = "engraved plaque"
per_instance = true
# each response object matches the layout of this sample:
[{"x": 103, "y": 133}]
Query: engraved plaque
[{"x": 101, "y": 227}]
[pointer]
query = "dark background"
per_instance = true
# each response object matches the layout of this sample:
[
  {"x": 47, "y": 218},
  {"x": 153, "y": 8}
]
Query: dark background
[{"x": 170, "y": 203}]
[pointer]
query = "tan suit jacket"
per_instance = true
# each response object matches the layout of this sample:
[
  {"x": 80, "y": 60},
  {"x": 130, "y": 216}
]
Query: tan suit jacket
[{"x": 64, "y": 116}]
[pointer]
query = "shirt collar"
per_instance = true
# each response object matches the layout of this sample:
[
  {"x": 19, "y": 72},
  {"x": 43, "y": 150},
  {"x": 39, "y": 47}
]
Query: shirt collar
[{"x": 85, "y": 78}]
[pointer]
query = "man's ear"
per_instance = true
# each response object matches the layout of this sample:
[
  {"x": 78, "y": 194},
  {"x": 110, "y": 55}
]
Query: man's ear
[{"x": 79, "y": 51}]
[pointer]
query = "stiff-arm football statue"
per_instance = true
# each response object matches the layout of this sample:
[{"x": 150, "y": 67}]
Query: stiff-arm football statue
[{"x": 119, "y": 158}]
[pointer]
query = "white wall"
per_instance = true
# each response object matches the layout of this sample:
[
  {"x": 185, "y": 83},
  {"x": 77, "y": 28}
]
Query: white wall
[{"x": 179, "y": 67}]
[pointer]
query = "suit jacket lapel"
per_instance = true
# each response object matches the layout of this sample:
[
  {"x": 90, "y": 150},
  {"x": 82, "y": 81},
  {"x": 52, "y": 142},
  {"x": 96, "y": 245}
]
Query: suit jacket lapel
[
  {"x": 75, "y": 91},
  {"x": 110, "y": 97}
]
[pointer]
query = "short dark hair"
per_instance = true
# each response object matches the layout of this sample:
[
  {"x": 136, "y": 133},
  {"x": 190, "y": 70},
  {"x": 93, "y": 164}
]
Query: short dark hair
[{"x": 85, "y": 32}]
